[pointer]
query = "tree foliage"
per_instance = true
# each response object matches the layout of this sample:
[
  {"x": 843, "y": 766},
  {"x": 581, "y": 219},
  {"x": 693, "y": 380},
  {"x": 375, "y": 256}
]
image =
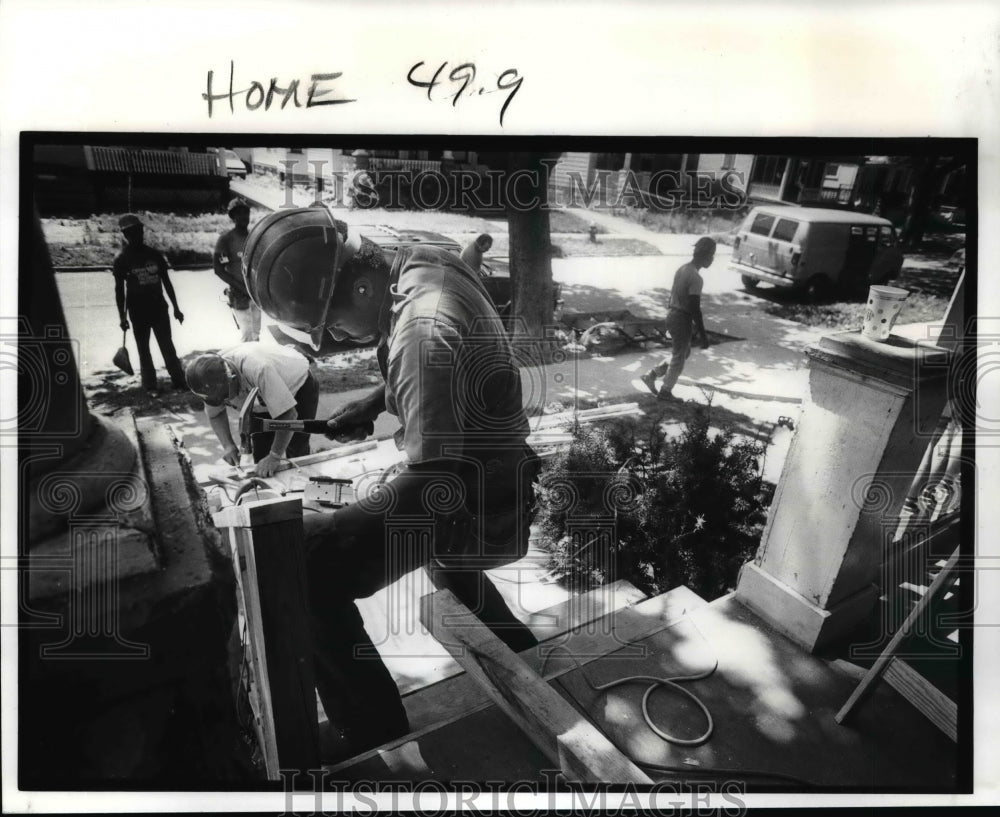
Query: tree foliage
[{"x": 625, "y": 502}]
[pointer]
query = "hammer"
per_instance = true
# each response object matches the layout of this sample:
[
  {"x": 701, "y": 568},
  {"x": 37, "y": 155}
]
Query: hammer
[{"x": 251, "y": 423}]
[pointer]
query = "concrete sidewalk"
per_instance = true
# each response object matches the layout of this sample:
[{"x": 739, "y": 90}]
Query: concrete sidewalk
[{"x": 762, "y": 364}]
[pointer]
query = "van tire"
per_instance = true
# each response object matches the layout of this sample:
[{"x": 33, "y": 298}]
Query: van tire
[
  {"x": 818, "y": 290},
  {"x": 748, "y": 282}
]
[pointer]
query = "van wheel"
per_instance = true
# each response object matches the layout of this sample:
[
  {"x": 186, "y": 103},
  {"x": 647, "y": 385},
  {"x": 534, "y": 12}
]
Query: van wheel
[
  {"x": 748, "y": 282},
  {"x": 818, "y": 290}
]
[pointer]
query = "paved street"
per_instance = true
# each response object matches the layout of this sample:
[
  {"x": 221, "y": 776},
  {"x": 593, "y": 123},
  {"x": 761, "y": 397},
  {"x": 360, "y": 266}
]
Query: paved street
[{"x": 758, "y": 369}]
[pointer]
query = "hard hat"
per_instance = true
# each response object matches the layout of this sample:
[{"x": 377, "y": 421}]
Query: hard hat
[
  {"x": 235, "y": 203},
  {"x": 290, "y": 265},
  {"x": 129, "y": 220}
]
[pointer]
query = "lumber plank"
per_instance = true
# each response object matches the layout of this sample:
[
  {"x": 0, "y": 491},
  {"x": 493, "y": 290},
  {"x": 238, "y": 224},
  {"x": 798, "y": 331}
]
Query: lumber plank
[
  {"x": 257, "y": 644},
  {"x": 564, "y": 735},
  {"x": 888, "y": 654},
  {"x": 271, "y": 567},
  {"x": 932, "y": 702},
  {"x": 259, "y": 512},
  {"x": 589, "y": 640},
  {"x": 583, "y": 608},
  {"x": 441, "y": 704}
]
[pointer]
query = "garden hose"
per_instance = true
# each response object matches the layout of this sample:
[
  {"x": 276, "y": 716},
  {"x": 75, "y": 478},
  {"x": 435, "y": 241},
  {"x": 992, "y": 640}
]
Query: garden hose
[{"x": 657, "y": 683}]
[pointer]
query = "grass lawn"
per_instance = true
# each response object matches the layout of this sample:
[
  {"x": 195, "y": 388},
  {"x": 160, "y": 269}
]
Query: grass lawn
[
  {"x": 189, "y": 240},
  {"x": 97, "y": 240},
  {"x": 928, "y": 277},
  {"x": 681, "y": 221},
  {"x": 604, "y": 247}
]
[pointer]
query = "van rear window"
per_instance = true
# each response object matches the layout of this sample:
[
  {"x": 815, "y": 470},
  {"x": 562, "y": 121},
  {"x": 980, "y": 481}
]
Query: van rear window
[
  {"x": 762, "y": 224},
  {"x": 785, "y": 230}
]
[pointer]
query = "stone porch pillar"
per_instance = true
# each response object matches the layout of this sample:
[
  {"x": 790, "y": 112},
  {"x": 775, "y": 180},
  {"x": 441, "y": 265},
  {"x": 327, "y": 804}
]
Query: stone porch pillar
[
  {"x": 125, "y": 596},
  {"x": 873, "y": 409}
]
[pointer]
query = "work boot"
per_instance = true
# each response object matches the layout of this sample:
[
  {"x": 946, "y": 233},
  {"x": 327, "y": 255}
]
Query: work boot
[{"x": 649, "y": 380}]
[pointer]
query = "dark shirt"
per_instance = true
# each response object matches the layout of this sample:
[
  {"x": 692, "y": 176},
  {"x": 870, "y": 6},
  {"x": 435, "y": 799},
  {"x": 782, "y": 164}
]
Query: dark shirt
[
  {"x": 143, "y": 271},
  {"x": 228, "y": 264},
  {"x": 450, "y": 372}
]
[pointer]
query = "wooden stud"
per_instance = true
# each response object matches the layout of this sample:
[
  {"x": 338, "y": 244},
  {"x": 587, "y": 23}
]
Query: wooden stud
[
  {"x": 910, "y": 684},
  {"x": 564, "y": 735},
  {"x": 271, "y": 564}
]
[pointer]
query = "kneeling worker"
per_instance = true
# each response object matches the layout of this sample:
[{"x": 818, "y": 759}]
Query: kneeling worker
[
  {"x": 287, "y": 388},
  {"x": 462, "y": 503}
]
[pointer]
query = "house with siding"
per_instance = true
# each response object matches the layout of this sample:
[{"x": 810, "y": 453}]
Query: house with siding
[
  {"x": 80, "y": 180},
  {"x": 579, "y": 176}
]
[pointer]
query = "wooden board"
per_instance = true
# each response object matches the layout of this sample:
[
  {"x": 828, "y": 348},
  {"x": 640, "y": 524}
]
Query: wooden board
[
  {"x": 772, "y": 703},
  {"x": 934, "y": 704},
  {"x": 564, "y": 735},
  {"x": 271, "y": 565},
  {"x": 916, "y": 689},
  {"x": 460, "y": 695},
  {"x": 582, "y": 609}
]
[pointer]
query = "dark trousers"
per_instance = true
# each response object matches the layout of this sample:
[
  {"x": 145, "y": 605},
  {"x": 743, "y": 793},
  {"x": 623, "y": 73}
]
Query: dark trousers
[
  {"x": 365, "y": 550},
  {"x": 159, "y": 323},
  {"x": 680, "y": 329},
  {"x": 306, "y": 401}
]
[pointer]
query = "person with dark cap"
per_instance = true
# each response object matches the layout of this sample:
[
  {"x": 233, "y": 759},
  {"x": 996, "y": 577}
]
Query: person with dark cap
[
  {"x": 227, "y": 261},
  {"x": 140, "y": 278},
  {"x": 683, "y": 315},
  {"x": 461, "y": 504}
]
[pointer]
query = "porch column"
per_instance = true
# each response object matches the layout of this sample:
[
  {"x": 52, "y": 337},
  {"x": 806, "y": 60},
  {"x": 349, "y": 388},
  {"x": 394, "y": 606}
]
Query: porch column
[{"x": 872, "y": 410}]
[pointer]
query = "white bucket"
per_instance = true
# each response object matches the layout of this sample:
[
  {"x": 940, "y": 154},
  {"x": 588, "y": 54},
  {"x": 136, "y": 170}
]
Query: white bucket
[{"x": 882, "y": 310}]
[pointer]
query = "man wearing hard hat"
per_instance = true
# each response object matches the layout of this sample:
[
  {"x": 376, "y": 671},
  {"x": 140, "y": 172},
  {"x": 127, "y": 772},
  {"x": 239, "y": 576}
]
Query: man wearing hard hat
[
  {"x": 227, "y": 261},
  {"x": 140, "y": 279},
  {"x": 462, "y": 503}
]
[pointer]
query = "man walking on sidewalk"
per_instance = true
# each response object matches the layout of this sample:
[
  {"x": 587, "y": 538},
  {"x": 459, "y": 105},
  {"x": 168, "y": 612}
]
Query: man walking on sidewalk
[
  {"x": 140, "y": 278},
  {"x": 685, "y": 311},
  {"x": 228, "y": 263}
]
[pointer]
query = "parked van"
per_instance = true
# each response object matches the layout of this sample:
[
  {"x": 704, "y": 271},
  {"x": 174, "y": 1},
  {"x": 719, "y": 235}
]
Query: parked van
[
  {"x": 814, "y": 250},
  {"x": 229, "y": 162}
]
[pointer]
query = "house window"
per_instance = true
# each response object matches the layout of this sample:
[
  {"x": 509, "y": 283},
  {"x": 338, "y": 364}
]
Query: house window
[
  {"x": 609, "y": 161},
  {"x": 832, "y": 171},
  {"x": 768, "y": 169}
]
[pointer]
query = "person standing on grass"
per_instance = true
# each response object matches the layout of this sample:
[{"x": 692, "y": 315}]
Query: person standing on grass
[
  {"x": 227, "y": 261},
  {"x": 684, "y": 313},
  {"x": 140, "y": 278}
]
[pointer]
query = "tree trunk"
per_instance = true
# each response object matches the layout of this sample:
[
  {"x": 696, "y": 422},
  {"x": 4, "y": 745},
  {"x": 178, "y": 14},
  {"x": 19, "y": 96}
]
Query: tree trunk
[
  {"x": 921, "y": 200},
  {"x": 530, "y": 246}
]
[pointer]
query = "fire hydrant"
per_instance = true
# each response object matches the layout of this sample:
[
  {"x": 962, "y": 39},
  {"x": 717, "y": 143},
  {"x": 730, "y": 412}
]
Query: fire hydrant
[{"x": 592, "y": 231}]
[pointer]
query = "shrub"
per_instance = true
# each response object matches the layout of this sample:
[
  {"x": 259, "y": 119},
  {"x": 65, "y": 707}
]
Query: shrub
[{"x": 625, "y": 502}]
